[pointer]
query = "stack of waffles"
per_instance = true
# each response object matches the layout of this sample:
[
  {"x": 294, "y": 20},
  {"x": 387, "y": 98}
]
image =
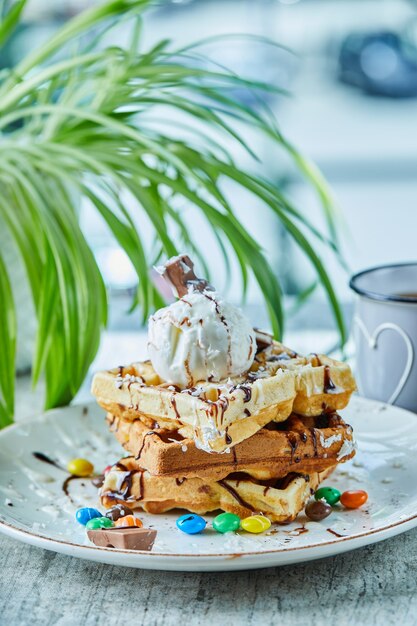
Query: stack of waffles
[{"x": 259, "y": 442}]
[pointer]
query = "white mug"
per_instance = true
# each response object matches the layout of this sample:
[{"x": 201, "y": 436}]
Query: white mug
[{"x": 385, "y": 333}]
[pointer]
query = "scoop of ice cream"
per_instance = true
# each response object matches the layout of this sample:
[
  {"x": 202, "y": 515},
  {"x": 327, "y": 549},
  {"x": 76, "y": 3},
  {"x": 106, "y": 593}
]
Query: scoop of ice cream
[{"x": 200, "y": 337}]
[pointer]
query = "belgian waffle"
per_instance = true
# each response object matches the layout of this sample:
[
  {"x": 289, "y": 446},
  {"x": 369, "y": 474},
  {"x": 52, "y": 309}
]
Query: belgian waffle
[
  {"x": 280, "y": 499},
  {"x": 300, "y": 444},
  {"x": 278, "y": 382}
]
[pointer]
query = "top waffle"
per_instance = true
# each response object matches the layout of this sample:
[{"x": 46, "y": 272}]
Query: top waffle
[{"x": 225, "y": 413}]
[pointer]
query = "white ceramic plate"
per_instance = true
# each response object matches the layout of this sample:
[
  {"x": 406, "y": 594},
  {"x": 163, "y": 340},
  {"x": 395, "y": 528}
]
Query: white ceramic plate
[{"x": 34, "y": 508}]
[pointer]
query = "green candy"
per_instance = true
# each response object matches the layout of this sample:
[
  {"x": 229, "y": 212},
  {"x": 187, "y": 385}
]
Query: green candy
[
  {"x": 329, "y": 494},
  {"x": 99, "y": 522},
  {"x": 226, "y": 523}
]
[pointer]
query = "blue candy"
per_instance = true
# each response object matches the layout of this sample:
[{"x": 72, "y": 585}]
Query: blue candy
[
  {"x": 191, "y": 524},
  {"x": 85, "y": 514}
]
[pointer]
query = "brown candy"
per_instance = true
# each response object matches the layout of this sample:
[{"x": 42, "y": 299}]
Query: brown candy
[
  {"x": 179, "y": 273},
  {"x": 123, "y": 538},
  {"x": 118, "y": 511},
  {"x": 318, "y": 510}
]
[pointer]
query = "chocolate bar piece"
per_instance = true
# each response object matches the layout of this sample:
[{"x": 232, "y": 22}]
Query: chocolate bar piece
[
  {"x": 179, "y": 272},
  {"x": 263, "y": 339},
  {"x": 123, "y": 538}
]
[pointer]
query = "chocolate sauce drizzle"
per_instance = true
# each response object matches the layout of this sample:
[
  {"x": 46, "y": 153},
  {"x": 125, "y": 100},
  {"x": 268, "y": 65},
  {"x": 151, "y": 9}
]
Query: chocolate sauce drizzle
[
  {"x": 236, "y": 496},
  {"x": 65, "y": 486},
  {"x": 125, "y": 490},
  {"x": 293, "y": 443},
  {"x": 174, "y": 406},
  {"x": 40, "y": 456},
  {"x": 333, "y": 532},
  {"x": 46, "y": 459},
  {"x": 314, "y": 439},
  {"x": 221, "y": 404},
  {"x": 151, "y": 432},
  {"x": 247, "y": 391},
  {"x": 225, "y": 324},
  {"x": 328, "y": 385}
]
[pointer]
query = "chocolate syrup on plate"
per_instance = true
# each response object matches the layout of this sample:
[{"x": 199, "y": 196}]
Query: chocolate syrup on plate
[
  {"x": 46, "y": 459},
  {"x": 65, "y": 486},
  {"x": 333, "y": 532}
]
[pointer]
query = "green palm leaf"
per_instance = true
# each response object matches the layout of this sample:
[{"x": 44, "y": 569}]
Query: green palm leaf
[{"x": 97, "y": 127}]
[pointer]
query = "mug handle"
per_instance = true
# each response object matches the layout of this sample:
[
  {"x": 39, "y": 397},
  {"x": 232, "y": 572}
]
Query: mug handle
[{"x": 372, "y": 340}]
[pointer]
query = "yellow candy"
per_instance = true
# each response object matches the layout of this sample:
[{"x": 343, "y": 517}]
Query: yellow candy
[
  {"x": 255, "y": 524},
  {"x": 80, "y": 467}
]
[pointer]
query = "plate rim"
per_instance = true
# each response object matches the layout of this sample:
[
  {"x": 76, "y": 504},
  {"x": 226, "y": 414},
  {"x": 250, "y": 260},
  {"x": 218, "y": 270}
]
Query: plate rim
[{"x": 49, "y": 543}]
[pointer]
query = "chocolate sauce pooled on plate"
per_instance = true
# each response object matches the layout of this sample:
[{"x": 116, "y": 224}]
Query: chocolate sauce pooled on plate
[
  {"x": 65, "y": 486},
  {"x": 333, "y": 532},
  {"x": 179, "y": 273},
  {"x": 45, "y": 459}
]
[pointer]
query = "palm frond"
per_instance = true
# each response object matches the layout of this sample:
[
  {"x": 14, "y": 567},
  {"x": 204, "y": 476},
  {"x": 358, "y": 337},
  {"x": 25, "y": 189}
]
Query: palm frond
[{"x": 87, "y": 128}]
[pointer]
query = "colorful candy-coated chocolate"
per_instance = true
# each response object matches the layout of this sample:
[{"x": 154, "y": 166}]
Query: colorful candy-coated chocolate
[
  {"x": 128, "y": 520},
  {"x": 353, "y": 499},
  {"x": 330, "y": 494},
  {"x": 255, "y": 524},
  {"x": 226, "y": 523},
  {"x": 118, "y": 511},
  {"x": 85, "y": 514},
  {"x": 80, "y": 467},
  {"x": 191, "y": 523},
  {"x": 318, "y": 510},
  {"x": 99, "y": 522}
]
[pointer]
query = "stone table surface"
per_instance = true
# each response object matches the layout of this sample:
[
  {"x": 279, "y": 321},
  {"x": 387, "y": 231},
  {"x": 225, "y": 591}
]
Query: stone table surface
[{"x": 376, "y": 585}]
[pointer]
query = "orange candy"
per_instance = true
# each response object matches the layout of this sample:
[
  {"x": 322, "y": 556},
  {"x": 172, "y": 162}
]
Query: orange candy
[
  {"x": 128, "y": 520},
  {"x": 353, "y": 499}
]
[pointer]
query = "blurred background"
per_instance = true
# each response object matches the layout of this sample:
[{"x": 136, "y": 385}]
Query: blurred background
[{"x": 352, "y": 74}]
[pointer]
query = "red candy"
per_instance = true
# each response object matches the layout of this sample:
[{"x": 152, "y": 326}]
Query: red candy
[
  {"x": 353, "y": 499},
  {"x": 107, "y": 469}
]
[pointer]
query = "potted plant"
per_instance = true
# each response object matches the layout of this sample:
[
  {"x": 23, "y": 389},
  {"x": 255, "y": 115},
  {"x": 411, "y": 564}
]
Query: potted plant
[{"x": 74, "y": 128}]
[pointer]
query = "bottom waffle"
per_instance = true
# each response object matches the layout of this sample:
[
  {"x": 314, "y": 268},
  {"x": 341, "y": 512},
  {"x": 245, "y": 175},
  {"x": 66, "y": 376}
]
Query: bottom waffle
[{"x": 280, "y": 499}]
